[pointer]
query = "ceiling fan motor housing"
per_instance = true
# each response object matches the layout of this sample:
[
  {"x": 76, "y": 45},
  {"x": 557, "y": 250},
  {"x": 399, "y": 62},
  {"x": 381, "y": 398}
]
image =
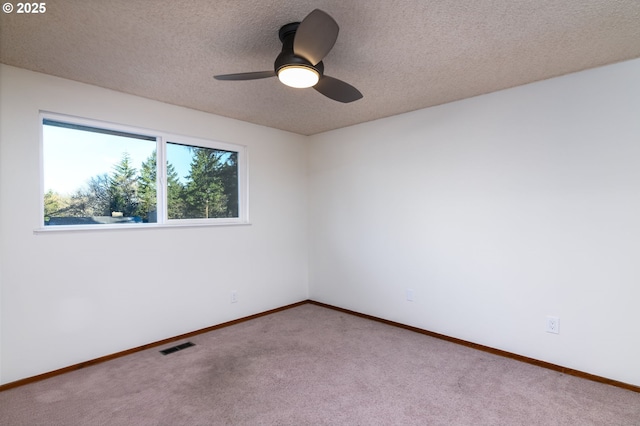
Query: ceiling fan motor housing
[{"x": 287, "y": 57}]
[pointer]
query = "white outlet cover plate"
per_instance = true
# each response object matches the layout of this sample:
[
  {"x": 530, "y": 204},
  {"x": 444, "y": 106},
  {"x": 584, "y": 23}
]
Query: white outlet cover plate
[
  {"x": 553, "y": 325},
  {"x": 409, "y": 295}
]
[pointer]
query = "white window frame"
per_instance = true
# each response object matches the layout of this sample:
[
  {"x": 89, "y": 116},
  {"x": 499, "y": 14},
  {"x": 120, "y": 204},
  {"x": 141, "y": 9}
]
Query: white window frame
[{"x": 162, "y": 138}]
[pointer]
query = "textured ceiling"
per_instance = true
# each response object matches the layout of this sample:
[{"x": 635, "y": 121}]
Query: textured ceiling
[{"x": 402, "y": 55}]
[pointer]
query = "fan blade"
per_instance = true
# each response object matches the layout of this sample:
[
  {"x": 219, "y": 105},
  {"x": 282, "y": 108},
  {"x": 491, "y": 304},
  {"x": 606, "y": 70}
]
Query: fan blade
[
  {"x": 337, "y": 90},
  {"x": 246, "y": 76},
  {"x": 315, "y": 36}
]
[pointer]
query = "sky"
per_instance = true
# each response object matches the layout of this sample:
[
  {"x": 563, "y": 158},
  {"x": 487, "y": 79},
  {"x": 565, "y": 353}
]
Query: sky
[{"x": 71, "y": 157}]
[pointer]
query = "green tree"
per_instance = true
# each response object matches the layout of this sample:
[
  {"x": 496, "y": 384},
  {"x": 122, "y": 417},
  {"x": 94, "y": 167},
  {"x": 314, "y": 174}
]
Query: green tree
[
  {"x": 175, "y": 195},
  {"x": 211, "y": 190},
  {"x": 123, "y": 188},
  {"x": 229, "y": 177},
  {"x": 147, "y": 193},
  {"x": 54, "y": 204},
  {"x": 204, "y": 192}
]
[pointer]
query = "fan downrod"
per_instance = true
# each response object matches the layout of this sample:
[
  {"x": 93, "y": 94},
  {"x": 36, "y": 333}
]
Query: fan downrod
[
  {"x": 288, "y": 30},
  {"x": 286, "y": 57}
]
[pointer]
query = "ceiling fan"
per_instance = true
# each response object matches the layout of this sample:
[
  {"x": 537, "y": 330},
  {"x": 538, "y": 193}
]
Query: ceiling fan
[{"x": 299, "y": 64}]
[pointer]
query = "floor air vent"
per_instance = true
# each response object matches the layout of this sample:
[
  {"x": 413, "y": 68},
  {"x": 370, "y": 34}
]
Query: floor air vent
[{"x": 177, "y": 348}]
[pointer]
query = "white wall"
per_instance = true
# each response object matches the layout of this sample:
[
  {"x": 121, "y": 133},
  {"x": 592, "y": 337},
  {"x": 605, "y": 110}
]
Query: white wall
[
  {"x": 72, "y": 297},
  {"x": 497, "y": 211}
]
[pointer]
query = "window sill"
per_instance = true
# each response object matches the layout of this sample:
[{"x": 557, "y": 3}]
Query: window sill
[{"x": 137, "y": 226}]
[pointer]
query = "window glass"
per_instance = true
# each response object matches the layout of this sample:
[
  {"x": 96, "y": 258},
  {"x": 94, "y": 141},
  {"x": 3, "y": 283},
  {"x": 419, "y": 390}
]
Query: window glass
[
  {"x": 113, "y": 175},
  {"x": 201, "y": 182},
  {"x": 97, "y": 176}
]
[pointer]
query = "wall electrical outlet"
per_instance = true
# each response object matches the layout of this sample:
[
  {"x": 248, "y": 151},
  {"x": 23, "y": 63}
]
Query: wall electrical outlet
[
  {"x": 234, "y": 297},
  {"x": 409, "y": 295},
  {"x": 553, "y": 325}
]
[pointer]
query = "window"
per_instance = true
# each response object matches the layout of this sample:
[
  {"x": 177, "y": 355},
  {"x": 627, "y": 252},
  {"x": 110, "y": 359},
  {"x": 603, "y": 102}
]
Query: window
[
  {"x": 97, "y": 174},
  {"x": 209, "y": 190}
]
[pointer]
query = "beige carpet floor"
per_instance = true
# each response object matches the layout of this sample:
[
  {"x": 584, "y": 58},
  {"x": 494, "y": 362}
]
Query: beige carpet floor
[{"x": 311, "y": 365}]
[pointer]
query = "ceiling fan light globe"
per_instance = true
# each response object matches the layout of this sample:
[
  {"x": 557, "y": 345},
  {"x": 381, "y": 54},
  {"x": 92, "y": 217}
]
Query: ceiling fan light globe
[{"x": 298, "y": 76}]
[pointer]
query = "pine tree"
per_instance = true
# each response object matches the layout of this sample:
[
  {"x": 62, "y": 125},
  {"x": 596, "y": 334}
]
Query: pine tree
[
  {"x": 175, "y": 196},
  {"x": 229, "y": 177},
  {"x": 147, "y": 190},
  {"x": 204, "y": 193},
  {"x": 123, "y": 188},
  {"x": 147, "y": 193}
]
